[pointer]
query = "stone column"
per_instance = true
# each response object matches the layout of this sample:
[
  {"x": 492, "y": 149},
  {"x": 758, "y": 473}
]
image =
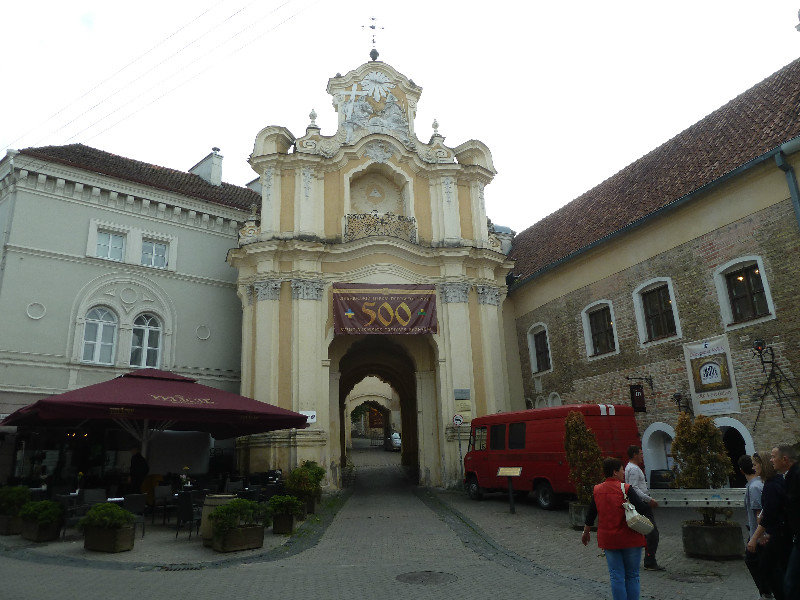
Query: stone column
[
  {"x": 309, "y": 389},
  {"x": 492, "y": 347},
  {"x": 457, "y": 345},
  {"x": 428, "y": 428},
  {"x": 270, "y": 202},
  {"x": 309, "y": 203},
  {"x": 264, "y": 347}
]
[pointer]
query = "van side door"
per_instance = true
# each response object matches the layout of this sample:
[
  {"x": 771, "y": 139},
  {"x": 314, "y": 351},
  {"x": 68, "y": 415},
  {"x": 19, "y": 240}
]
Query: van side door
[
  {"x": 497, "y": 454},
  {"x": 475, "y": 461}
]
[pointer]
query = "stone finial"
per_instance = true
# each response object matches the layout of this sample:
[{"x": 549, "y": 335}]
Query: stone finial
[
  {"x": 313, "y": 116},
  {"x": 435, "y": 126}
]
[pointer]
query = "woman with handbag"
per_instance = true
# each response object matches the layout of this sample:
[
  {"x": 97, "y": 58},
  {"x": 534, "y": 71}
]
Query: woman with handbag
[{"x": 622, "y": 545}]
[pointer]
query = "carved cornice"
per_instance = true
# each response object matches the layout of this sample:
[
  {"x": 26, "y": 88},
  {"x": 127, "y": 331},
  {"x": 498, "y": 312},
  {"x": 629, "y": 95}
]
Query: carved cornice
[
  {"x": 454, "y": 292},
  {"x": 307, "y": 289}
]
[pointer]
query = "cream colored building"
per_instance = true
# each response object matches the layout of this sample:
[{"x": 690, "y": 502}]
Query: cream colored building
[{"x": 373, "y": 204}]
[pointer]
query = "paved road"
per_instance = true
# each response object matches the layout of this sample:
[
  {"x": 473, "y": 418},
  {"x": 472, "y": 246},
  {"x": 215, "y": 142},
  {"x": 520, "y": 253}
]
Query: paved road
[{"x": 393, "y": 540}]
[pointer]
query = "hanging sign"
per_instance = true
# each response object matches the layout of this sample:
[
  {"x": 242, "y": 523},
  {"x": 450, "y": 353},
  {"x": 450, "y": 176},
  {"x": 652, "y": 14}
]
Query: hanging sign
[
  {"x": 362, "y": 308},
  {"x": 637, "y": 398},
  {"x": 711, "y": 378}
]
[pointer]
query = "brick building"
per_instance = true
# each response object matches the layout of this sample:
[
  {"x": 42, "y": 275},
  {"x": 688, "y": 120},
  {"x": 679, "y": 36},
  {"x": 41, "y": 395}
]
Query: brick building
[{"x": 695, "y": 244}]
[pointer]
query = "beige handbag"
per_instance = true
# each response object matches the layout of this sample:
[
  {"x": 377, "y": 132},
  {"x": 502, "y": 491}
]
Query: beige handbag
[{"x": 639, "y": 523}]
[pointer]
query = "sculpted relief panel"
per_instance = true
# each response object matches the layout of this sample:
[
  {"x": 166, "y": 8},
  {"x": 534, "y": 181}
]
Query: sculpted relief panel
[{"x": 375, "y": 193}]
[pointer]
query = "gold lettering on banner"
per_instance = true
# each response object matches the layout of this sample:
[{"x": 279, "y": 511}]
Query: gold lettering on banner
[
  {"x": 371, "y": 313},
  {"x": 120, "y": 411},
  {"x": 381, "y": 318},
  {"x": 178, "y": 399},
  {"x": 404, "y": 306}
]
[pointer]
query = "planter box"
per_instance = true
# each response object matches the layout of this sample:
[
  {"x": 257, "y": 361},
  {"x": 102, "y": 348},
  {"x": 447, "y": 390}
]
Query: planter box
[
  {"x": 282, "y": 524},
  {"x": 31, "y": 530},
  {"x": 241, "y": 538},
  {"x": 10, "y": 525},
  {"x": 577, "y": 515},
  {"x": 311, "y": 504},
  {"x": 716, "y": 542},
  {"x": 109, "y": 540}
]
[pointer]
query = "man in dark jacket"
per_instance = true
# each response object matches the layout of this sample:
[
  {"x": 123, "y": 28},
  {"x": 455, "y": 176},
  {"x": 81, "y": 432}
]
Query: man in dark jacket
[
  {"x": 784, "y": 458},
  {"x": 139, "y": 470}
]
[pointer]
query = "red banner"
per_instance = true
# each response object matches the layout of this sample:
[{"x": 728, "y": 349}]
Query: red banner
[{"x": 360, "y": 308}]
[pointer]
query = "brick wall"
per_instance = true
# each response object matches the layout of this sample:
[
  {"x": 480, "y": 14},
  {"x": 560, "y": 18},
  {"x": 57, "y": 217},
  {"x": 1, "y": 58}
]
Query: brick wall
[{"x": 773, "y": 235}]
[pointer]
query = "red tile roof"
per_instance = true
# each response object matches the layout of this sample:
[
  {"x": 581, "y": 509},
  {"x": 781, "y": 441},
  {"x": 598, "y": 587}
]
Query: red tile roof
[
  {"x": 171, "y": 180},
  {"x": 750, "y": 125}
]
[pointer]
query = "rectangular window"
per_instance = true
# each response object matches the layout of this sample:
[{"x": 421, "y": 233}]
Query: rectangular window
[
  {"x": 602, "y": 331},
  {"x": 746, "y": 293},
  {"x": 154, "y": 254},
  {"x": 658, "y": 315},
  {"x": 516, "y": 436},
  {"x": 497, "y": 437},
  {"x": 110, "y": 245},
  {"x": 542, "y": 351},
  {"x": 478, "y": 439}
]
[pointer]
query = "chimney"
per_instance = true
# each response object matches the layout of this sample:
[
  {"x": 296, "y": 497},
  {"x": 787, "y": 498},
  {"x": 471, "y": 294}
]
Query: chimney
[{"x": 210, "y": 168}]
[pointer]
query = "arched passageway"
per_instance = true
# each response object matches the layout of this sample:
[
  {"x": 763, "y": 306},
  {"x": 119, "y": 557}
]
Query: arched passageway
[{"x": 380, "y": 357}]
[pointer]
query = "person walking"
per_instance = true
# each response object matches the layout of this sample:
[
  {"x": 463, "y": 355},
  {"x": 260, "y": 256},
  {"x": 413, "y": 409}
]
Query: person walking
[
  {"x": 622, "y": 545},
  {"x": 784, "y": 459},
  {"x": 634, "y": 475},
  {"x": 769, "y": 532},
  {"x": 752, "y": 506},
  {"x": 138, "y": 471}
]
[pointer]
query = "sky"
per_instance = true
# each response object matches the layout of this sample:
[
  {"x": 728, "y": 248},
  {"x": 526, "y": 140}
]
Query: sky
[{"x": 565, "y": 94}]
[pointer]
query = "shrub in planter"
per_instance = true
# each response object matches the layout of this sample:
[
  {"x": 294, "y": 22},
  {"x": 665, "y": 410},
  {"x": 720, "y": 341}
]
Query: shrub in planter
[
  {"x": 585, "y": 463},
  {"x": 107, "y": 527},
  {"x": 316, "y": 473},
  {"x": 702, "y": 462},
  {"x": 12, "y": 499},
  {"x": 41, "y": 521},
  {"x": 300, "y": 483},
  {"x": 238, "y": 525},
  {"x": 283, "y": 510}
]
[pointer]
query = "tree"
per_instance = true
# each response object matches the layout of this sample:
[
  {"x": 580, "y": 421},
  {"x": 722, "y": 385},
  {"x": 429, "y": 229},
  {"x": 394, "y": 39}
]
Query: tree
[
  {"x": 701, "y": 460},
  {"x": 583, "y": 455}
]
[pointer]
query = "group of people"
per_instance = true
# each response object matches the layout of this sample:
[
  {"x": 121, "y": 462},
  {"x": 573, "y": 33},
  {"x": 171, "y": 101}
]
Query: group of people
[{"x": 772, "y": 503}]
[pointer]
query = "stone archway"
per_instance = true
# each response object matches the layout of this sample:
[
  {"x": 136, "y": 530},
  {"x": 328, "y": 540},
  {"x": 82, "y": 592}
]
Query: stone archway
[
  {"x": 656, "y": 447},
  {"x": 380, "y": 357}
]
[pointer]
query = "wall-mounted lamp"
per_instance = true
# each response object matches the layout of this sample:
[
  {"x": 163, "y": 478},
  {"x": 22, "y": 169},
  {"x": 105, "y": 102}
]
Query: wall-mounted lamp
[{"x": 681, "y": 405}]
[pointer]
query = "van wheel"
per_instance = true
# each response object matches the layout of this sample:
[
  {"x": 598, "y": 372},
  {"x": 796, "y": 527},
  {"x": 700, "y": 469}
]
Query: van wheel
[
  {"x": 474, "y": 491},
  {"x": 545, "y": 495}
]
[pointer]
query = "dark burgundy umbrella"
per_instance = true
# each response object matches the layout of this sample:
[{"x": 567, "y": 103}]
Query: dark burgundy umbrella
[{"x": 149, "y": 399}]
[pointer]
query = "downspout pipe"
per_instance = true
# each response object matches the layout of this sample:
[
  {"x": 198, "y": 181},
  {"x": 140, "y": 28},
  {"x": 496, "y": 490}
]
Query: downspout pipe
[{"x": 791, "y": 178}]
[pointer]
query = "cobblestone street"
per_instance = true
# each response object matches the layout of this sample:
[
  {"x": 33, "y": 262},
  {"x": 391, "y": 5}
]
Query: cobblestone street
[{"x": 385, "y": 538}]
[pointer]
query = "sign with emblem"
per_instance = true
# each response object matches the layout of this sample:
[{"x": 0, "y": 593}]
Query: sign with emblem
[
  {"x": 711, "y": 378},
  {"x": 361, "y": 308}
]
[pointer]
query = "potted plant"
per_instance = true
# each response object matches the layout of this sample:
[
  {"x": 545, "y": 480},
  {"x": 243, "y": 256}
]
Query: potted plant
[
  {"x": 701, "y": 462},
  {"x": 283, "y": 510},
  {"x": 41, "y": 520},
  {"x": 238, "y": 525},
  {"x": 108, "y": 527},
  {"x": 585, "y": 465},
  {"x": 300, "y": 483},
  {"x": 317, "y": 474},
  {"x": 12, "y": 499}
]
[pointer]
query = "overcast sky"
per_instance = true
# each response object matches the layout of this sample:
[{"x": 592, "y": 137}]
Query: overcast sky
[{"x": 565, "y": 94}]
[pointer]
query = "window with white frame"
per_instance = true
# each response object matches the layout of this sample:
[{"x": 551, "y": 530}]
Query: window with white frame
[
  {"x": 743, "y": 290},
  {"x": 99, "y": 336},
  {"x": 154, "y": 254},
  {"x": 110, "y": 245},
  {"x": 146, "y": 341},
  {"x": 599, "y": 330},
  {"x": 656, "y": 311},
  {"x": 539, "y": 348}
]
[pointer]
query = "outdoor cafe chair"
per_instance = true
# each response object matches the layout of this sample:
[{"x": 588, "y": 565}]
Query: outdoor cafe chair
[
  {"x": 71, "y": 510},
  {"x": 251, "y": 493},
  {"x": 187, "y": 513},
  {"x": 231, "y": 487},
  {"x": 136, "y": 504},
  {"x": 163, "y": 500}
]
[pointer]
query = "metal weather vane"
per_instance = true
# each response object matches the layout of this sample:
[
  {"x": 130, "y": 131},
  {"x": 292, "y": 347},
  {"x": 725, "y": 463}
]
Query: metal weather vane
[{"x": 373, "y": 30}]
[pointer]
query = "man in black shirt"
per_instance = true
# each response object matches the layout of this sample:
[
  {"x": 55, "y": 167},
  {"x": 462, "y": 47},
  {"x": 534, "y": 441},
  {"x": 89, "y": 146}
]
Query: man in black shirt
[{"x": 139, "y": 470}]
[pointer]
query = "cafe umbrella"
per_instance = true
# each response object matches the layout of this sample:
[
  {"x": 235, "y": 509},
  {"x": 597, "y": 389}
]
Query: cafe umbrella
[{"x": 148, "y": 400}]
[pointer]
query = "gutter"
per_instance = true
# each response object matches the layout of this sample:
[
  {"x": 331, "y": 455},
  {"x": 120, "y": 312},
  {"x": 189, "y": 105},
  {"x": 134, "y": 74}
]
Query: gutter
[{"x": 779, "y": 153}]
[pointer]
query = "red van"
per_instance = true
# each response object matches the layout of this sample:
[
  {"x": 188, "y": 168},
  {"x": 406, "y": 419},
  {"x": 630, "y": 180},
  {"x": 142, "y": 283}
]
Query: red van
[{"x": 534, "y": 440}]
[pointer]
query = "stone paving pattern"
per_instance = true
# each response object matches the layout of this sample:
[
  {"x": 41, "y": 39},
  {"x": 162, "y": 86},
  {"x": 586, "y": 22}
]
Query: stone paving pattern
[{"x": 384, "y": 539}]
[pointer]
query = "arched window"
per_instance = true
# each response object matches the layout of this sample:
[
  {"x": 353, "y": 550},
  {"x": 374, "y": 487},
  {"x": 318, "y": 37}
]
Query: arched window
[
  {"x": 539, "y": 348},
  {"x": 99, "y": 336},
  {"x": 146, "y": 341}
]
